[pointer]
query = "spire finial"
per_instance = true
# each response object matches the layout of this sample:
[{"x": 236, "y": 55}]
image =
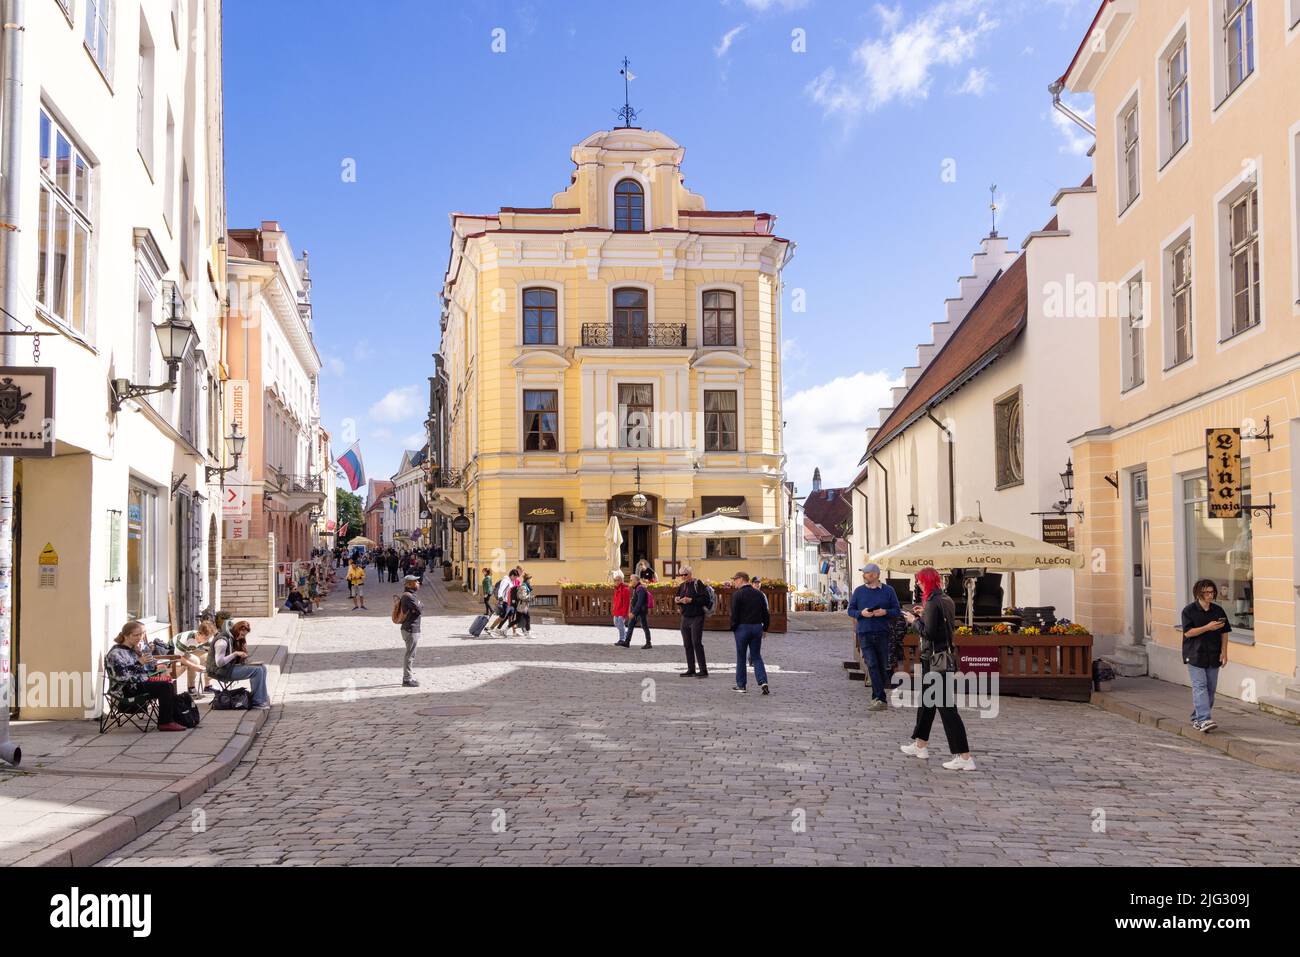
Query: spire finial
[
  {"x": 627, "y": 114},
  {"x": 993, "y": 208}
]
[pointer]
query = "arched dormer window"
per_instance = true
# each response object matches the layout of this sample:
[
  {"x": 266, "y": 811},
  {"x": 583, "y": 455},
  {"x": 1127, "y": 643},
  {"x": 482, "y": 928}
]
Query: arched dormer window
[{"x": 629, "y": 207}]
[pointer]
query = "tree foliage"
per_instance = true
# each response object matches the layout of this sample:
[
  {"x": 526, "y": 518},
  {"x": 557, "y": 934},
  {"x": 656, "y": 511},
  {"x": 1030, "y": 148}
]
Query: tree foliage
[{"x": 350, "y": 511}]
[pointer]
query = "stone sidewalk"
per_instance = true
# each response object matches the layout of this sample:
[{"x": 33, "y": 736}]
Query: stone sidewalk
[
  {"x": 80, "y": 795},
  {"x": 1244, "y": 731}
]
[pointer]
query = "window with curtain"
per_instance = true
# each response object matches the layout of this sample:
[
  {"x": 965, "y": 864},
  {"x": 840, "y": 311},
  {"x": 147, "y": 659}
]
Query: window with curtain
[
  {"x": 720, "y": 421},
  {"x": 719, "y": 317},
  {"x": 636, "y": 413},
  {"x": 541, "y": 420},
  {"x": 631, "y": 317}
]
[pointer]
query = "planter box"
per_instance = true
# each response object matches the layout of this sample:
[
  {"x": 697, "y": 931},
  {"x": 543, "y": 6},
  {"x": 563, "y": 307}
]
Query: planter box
[
  {"x": 1037, "y": 666},
  {"x": 591, "y": 606}
]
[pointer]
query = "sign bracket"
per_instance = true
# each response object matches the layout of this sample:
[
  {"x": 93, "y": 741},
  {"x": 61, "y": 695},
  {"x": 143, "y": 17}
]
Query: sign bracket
[
  {"x": 1267, "y": 510},
  {"x": 1266, "y": 436}
]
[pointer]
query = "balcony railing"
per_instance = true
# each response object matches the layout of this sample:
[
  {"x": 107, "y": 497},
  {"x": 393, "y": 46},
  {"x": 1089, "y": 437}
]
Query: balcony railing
[
  {"x": 446, "y": 478},
  {"x": 654, "y": 335}
]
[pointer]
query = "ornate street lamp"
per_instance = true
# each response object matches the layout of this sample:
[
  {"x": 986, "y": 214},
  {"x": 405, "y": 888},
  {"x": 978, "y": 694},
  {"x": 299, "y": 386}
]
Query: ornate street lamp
[
  {"x": 912, "y": 519},
  {"x": 175, "y": 337},
  {"x": 235, "y": 446}
]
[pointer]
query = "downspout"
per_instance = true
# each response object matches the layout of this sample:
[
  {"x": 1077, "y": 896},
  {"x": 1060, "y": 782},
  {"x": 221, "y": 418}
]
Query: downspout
[
  {"x": 1055, "y": 89},
  {"x": 12, "y": 169},
  {"x": 880, "y": 465},
  {"x": 866, "y": 522},
  {"x": 952, "y": 488}
]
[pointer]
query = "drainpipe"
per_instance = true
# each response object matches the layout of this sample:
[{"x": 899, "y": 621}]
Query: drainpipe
[
  {"x": 952, "y": 487},
  {"x": 880, "y": 465},
  {"x": 12, "y": 168},
  {"x": 1055, "y": 89},
  {"x": 866, "y": 522}
]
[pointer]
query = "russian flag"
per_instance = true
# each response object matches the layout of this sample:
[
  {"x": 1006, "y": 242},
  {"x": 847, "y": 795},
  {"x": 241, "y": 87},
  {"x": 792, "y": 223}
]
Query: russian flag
[{"x": 350, "y": 463}]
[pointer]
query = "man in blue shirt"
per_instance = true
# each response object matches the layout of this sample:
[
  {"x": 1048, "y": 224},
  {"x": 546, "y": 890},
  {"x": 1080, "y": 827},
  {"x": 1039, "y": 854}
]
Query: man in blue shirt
[{"x": 874, "y": 606}]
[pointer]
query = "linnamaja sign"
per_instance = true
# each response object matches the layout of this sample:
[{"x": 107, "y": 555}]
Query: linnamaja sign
[{"x": 27, "y": 411}]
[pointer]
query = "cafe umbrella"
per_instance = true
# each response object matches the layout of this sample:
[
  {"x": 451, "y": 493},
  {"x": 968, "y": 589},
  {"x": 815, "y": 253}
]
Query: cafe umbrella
[
  {"x": 613, "y": 543},
  {"x": 971, "y": 543}
]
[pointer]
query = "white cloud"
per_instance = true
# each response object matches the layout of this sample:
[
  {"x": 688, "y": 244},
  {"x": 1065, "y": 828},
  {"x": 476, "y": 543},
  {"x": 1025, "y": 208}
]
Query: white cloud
[
  {"x": 415, "y": 440},
  {"x": 398, "y": 405},
  {"x": 976, "y": 82},
  {"x": 1076, "y": 140},
  {"x": 826, "y": 426},
  {"x": 332, "y": 365},
  {"x": 727, "y": 40},
  {"x": 900, "y": 63},
  {"x": 762, "y": 6}
]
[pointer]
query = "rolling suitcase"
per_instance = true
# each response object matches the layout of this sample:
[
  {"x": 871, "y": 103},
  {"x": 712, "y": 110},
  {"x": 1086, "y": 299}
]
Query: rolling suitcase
[{"x": 479, "y": 623}]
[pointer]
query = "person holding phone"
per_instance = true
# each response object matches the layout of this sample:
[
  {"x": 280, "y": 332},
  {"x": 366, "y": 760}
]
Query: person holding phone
[{"x": 1204, "y": 650}]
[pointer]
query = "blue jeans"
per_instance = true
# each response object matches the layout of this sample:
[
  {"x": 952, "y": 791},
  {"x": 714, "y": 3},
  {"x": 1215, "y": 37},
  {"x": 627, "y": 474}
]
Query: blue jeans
[
  {"x": 256, "y": 676},
  {"x": 621, "y": 624},
  {"x": 875, "y": 652},
  {"x": 750, "y": 638},
  {"x": 1204, "y": 683}
]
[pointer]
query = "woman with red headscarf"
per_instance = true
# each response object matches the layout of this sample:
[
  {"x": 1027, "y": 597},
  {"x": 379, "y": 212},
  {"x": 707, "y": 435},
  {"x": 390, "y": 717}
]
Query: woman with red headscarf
[{"x": 935, "y": 623}]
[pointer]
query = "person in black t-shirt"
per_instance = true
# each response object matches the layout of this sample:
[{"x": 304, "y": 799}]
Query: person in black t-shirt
[{"x": 1205, "y": 650}]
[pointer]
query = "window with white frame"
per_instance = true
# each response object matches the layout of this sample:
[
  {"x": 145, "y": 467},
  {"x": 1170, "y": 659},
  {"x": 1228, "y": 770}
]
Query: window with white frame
[
  {"x": 1243, "y": 255},
  {"x": 186, "y": 226},
  {"x": 1133, "y": 316},
  {"x": 1130, "y": 170},
  {"x": 541, "y": 420},
  {"x": 67, "y": 7},
  {"x": 720, "y": 431},
  {"x": 144, "y": 103},
  {"x": 541, "y": 316},
  {"x": 636, "y": 415},
  {"x": 169, "y": 172},
  {"x": 1177, "y": 99},
  {"x": 1220, "y": 549},
  {"x": 1294, "y": 18},
  {"x": 722, "y": 548},
  {"x": 719, "y": 317},
  {"x": 1239, "y": 34},
  {"x": 1180, "y": 329},
  {"x": 64, "y": 227},
  {"x": 145, "y": 299},
  {"x": 141, "y": 551},
  {"x": 99, "y": 31}
]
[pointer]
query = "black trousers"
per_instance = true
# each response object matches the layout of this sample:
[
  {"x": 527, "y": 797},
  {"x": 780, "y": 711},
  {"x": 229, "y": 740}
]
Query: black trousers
[
  {"x": 644, "y": 618},
  {"x": 165, "y": 693},
  {"x": 693, "y": 639},
  {"x": 953, "y": 727}
]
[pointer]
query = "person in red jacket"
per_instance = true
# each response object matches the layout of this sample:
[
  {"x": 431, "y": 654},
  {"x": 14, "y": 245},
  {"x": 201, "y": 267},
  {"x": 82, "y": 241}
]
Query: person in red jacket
[{"x": 622, "y": 605}]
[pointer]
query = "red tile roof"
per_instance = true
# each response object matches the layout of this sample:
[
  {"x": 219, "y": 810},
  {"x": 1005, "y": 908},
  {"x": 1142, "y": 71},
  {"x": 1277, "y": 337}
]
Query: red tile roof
[
  {"x": 831, "y": 509},
  {"x": 988, "y": 331}
]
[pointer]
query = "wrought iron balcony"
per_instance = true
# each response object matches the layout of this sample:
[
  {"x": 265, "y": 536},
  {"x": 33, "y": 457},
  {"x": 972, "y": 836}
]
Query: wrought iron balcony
[
  {"x": 653, "y": 335},
  {"x": 446, "y": 478}
]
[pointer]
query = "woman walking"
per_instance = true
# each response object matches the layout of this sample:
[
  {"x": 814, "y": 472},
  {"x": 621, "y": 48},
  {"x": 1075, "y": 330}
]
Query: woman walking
[
  {"x": 621, "y": 608},
  {"x": 640, "y": 612},
  {"x": 523, "y": 600},
  {"x": 935, "y": 623}
]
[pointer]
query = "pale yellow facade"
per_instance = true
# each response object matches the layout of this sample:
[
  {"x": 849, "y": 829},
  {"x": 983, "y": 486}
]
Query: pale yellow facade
[
  {"x": 602, "y": 361},
  {"x": 1201, "y": 357}
]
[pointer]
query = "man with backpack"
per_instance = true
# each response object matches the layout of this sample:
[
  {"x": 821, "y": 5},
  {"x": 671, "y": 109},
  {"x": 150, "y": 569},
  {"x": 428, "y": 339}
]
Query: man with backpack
[
  {"x": 694, "y": 600},
  {"x": 407, "y": 610}
]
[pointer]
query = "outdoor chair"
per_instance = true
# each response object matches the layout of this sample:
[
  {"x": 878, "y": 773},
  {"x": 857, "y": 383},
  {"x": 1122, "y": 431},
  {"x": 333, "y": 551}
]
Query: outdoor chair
[{"x": 121, "y": 708}]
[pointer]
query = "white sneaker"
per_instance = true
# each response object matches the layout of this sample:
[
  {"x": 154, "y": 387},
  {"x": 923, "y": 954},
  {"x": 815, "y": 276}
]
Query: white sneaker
[
  {"x": 960, "y": 764},
  {"x": 913, "y": 751}
]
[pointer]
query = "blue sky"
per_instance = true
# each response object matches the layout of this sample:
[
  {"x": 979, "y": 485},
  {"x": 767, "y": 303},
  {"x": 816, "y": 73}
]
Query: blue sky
[{"x": 846, "y": 141}]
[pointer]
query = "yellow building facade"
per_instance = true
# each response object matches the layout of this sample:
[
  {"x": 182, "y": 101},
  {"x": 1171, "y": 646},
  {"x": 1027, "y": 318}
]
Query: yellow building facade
[
  {"x": 1198, "y": 134},
  {"x": 624, "y": 339}
]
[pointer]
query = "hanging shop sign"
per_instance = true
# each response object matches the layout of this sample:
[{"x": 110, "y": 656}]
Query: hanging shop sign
[
  {"x": 1223, "y": 472},
  {"x": 1056, "y": 531},
  {"x": 460, "y": 524},
  {"x": 27, "y": 411}
]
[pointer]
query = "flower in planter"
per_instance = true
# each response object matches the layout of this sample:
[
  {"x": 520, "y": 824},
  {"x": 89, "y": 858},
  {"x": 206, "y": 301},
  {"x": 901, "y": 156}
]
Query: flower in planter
[
  {"x": 1031, "y": 630},
  {"x": 965, "y": 630},
  {"x": 1002, "y": 628}
]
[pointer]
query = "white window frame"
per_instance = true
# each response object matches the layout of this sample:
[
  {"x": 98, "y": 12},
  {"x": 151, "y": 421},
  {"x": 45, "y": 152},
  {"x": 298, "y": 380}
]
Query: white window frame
[
  {"x": 618, "y": 175},
  {"x": 1293, "y": 20},
  {"x": 169, "y": 173},
  {"x": 735, "y": 389},
  {"x": 145, "y": 101},
  {"x": 1220, "y": 41},
  {"x": 558, "y": 288},
  {"x": 1179, "y": 42},
  {"x": 1225, "y": 205},
  {"x": 1131, "y": 328},
  {"x": 621, "y": 412},
  {"x": 738, "y": 291},
  {"x": 1189, "y": 572},
  {"x": 1183, "y": 237},
  {"x": 100, "y": 13},
  {"x": 152, "y": 546},
  {"x": 50, "y": 191},
  {"x": 1128, "y": 153}
]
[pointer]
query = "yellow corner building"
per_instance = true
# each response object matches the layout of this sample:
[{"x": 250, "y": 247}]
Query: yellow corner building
[{"x": 626, "y": 339}]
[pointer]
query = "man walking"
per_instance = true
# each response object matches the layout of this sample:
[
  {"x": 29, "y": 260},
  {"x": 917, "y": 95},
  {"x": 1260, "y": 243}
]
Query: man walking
[
  {"x": 1205, "y": 650},
  {"x": 874, "y": 607},
  {"x": 356, "y": 584},
  {"x": 409, "y": 610},
  {"x": 749, "y": 622},
  {"x": 692, "y": 601}
]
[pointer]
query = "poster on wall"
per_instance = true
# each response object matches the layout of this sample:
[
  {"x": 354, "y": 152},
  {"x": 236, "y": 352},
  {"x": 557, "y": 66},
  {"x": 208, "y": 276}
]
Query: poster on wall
[
  {"x": 27, "y": 411},
  {"x": 1223, "y": 473}
]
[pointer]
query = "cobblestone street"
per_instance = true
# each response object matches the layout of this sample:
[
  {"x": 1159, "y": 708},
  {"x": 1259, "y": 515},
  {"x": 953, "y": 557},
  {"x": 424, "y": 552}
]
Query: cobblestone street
[{"x": 563, "y": 749}]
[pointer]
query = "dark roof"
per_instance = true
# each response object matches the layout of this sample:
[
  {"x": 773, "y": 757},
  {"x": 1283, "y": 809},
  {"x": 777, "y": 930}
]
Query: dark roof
[
  {"x": 988, "y": 331},
  {"x": 831, "y": 509}
]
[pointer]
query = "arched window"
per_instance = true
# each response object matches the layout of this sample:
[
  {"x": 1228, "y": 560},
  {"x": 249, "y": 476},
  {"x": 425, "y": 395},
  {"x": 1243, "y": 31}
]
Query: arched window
[
  {"x": 540, "y": 317},
  {"x": 629, "y": 207},
  {"x": 719, "y": 317},
  {"x": 631, "y": 317}
]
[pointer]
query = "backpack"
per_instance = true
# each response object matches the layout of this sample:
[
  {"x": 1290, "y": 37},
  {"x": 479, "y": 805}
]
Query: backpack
[
  {"x": 186, "y": 712},
  {"x": 399, "y": 616},
  {"x": 649, "y": 600},
  {"x": 711, "y": 598}
]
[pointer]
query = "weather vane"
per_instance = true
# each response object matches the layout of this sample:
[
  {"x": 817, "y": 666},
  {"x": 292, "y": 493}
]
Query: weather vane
[
  {"x": 627, "y": 114},
  {"x": 993, "y": 207}
]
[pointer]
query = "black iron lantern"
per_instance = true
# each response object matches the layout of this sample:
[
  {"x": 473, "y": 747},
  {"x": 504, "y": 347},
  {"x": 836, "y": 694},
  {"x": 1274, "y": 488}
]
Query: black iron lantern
[{"x": 912, "y": 519}]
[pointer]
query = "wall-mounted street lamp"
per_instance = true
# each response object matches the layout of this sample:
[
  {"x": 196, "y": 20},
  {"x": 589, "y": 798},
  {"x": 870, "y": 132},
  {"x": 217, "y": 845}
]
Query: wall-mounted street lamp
[
  {"x": 175, "y": 336},
  {"x": 235, "y": 446},
  {"x": 639, "y": 500},
  {"x": 912, "y": 519}
]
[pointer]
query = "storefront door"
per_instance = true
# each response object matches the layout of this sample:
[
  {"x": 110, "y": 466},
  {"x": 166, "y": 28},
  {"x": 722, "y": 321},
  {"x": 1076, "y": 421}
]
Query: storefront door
[{"x": 1141, "y": 559}]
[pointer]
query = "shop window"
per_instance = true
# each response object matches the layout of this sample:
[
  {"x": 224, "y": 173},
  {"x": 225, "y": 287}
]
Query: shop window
[
  {"x": 1009, "y": 432},
  {"x": 541, "y": 541},
  {"x": 720, "y": 421},
  {"x": 1220, "y": 549},
  {"x": 141, "y": 551}
]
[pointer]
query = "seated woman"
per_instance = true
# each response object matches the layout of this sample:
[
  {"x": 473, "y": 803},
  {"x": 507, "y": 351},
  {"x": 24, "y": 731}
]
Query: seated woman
[
  {"x": 296, "y": 602},
  {"x": 141, "y": 673},
  {"x": 226, "y": 663},
  {"x": 193, "y": 647}
]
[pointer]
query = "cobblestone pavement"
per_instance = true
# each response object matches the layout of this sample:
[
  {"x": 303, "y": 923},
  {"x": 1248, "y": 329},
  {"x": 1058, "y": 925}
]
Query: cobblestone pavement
[{"x": 568, "y": 750}]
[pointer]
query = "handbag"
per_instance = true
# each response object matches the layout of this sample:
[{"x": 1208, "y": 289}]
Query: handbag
[
  {"x": 235, "y": 699},
  {"x": 944, "y": 660}
]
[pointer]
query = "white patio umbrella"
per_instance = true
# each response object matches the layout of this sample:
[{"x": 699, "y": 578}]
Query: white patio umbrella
[
  {"x": 613, "y": 543},
  {"x": 717, "y": 525},
  {"x": 972, "y": 543}
]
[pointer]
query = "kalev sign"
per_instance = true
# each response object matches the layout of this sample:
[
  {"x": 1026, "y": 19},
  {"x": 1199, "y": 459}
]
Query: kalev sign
[{"x": 27, "y": 411}]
